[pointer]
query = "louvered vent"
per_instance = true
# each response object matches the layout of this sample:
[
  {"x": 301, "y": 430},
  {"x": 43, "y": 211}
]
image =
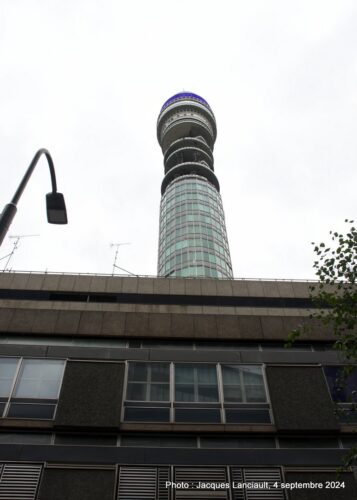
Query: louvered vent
[
  {"x": 270, "y": 476},
  {"x": 237, "y": 477},
  {"x": 19, "y": 481},
  {"x": 195, "y": 475},
  {"x": 137, "y": 483},
  {"x": 163, "y": 476}
]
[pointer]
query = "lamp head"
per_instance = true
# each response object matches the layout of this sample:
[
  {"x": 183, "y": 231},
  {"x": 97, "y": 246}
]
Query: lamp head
[{"x": 56, "y": 208}]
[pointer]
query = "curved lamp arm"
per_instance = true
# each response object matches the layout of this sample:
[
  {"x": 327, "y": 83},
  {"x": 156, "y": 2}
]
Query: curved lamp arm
[{"x": 56, "y": 208}]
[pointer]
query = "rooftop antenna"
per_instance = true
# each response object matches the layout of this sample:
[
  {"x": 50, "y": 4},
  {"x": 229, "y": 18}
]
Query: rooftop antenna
[
  {"x": 117, "y": 245},
  {"x": 17, "y": 238}
]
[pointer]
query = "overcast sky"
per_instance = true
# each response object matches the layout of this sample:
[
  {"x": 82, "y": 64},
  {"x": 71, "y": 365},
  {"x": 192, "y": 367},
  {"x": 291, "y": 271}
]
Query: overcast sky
[{"x": 86, "y": 79}]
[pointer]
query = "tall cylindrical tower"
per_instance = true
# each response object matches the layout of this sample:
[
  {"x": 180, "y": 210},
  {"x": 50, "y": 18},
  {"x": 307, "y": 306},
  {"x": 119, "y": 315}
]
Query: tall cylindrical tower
[{"x": 193, "y": 240}]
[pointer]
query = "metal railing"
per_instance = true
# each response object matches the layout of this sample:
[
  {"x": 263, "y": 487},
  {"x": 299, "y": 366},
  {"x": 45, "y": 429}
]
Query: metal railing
[{"x": 69, "y": 273}]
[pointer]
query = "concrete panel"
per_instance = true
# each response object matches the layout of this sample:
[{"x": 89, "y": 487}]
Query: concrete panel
[
  {"x": 285, "y": 289},
  {"x": 67, "y": 282},
  {"x": 270, "y": 289},
  {"x": 91, "y": 323},
  {"x": 6, "y": 280},
  {"x": 273, "y": 327},
  {"x": 91, "y": 395},
  {"x": 137, "y": 324},
  {"x": 177, "y": 286},
  {"x": 300, "y": 399},
  {"x": 224, "y": 288},
  {"x": 45, "y": 321},
  {"x": 193, "y": 286},
  {"x": 315, "y": 329},
  {"x": 255, "y": 288},
  {"x": 51, "y": 282},
  {"x": 113, "y": 323},
  {"x": 19, "y": 281},
  {"x": 250, "y": 327},
  {"x": 182, "y": 325},
  {"x": 347, "y": 493},
  {"x": 114, "y": 284},
  {"x": 240, "y": 288},
  {"x": 22, "y": 320},
  {"x": 205, "y": 326},
  {"x": 23, "y": 350},
  {"x": 78, "y": 352},
  {"x": 6, "y": 315},
  {"x": 209, "y": 287},
  {"x": 130, "y": 284},
  {"x": 146, "y": 285},
  {"x": 161, "y": 285},
  {"x": 228, "y": 327},
  {"x": 82, "y": 284},
  {"x": 35, "y": 282},
  {"x": 75, "y": 484},
  {"x": 159, "y": 325},
  {"x": 68, "y": 322},
  {"x": 98, "y": 284},
  {"x": 301, "y": 289}
]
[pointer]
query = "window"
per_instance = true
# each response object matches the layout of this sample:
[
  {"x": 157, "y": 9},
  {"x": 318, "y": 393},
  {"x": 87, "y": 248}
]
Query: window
[
  {"x": 196, "y": 393},
  {"x": 343, "y": 391},
  {"x": 29, "y": 388},
  {"x": 148, "y": 384}
]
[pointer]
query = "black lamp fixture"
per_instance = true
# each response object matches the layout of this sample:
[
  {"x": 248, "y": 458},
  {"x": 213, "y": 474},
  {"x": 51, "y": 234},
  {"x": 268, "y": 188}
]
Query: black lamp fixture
[{"x": 56, "y": 207}]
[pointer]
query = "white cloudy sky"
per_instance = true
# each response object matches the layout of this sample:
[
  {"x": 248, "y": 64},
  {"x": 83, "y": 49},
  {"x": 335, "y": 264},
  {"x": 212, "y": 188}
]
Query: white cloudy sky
[{"x": 87, "y": 78}]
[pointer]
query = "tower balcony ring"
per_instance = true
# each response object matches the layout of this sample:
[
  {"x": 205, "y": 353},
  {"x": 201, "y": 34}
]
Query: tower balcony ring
[
  {"x": 191, "y": 168},
  {"x": 188, "y": 155},
  {"x": 197, "y": 142}
]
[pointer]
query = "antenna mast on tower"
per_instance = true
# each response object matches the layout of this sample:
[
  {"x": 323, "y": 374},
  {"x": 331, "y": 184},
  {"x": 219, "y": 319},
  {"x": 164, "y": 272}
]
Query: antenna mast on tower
[
  {"x": 17, "y": 238},
  {"x": 117, "y": 245}
]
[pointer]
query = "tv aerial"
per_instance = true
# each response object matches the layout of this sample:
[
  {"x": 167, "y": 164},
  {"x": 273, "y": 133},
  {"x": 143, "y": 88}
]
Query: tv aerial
[
  {"x": 17, "y": 238},
  {"x": 115, "y": 266}
]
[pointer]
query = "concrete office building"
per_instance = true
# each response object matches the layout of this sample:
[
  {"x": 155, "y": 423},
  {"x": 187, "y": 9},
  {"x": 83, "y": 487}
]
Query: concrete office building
[{"x": 111, "y": 387}]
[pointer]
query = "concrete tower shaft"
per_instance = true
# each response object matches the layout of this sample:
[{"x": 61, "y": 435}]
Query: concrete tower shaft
[{"x": 193, "y": 240}]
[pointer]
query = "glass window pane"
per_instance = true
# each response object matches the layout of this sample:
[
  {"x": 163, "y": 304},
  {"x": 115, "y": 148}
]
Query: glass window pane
[
  {"x": 247, "y": 416},
  {"x": 137, "y": 372},
  {"x": 8, "y": 368},
  {"x": 207, "y": 393},
  {"x": 342, "y": 387},
  {"x": 206, "y": 374},
  {"x": 184, "y": 392},
  {"x": 40, "y": 411},
  {"x": 136, "y": 392},
  {"x": 231, "y": 374},
  {"x": 159, "y": 392},
  {"x": 133, "y": 414},
  {"x": 201, "y": 415},
  {"x": 255, "y": 394},
  {"x": 233, "y": 394},
  {"x": 252, "y": 375},
  {"x": 22, "y": 437},
  {"x": 183, "y": 374},
  {"x": 160, "y": 372},
  {"x": 39, "y": 378}
]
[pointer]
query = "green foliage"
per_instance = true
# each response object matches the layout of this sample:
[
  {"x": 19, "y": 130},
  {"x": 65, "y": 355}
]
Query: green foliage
[
  {"x": 335, "y": 300},
  {"x": 335, "y": 296},
  {"x": 336, "y": 292}
]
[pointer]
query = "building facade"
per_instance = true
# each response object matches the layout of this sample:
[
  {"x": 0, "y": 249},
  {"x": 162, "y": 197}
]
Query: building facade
[
  {"x": 177, "y": 387},
  {"x": 193, "y": 238},
  {"x": 117, "y": 387}
]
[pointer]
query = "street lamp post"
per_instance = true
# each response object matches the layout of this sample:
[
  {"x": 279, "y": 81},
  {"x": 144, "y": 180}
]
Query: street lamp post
[{"x": 56, "y": 208}]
